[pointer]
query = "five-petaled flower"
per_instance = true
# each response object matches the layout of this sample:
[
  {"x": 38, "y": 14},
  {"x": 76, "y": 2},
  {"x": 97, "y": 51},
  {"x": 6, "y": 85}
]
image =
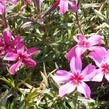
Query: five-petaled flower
[
  {"x": 101, "y": 57},
  {"x": 84, "y": 44},
  {"x": 75, "y": 79},
  {"x": 20, "y": 56}
]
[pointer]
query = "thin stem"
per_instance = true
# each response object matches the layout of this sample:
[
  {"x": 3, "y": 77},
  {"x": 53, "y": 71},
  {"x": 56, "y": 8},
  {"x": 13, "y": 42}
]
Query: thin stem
[
  {"x": 37, "y": 4},
  {"x": 51, "y": 8},
  {"x": 77, "y": 102},
  {"x": 5, "y": 24},
  {"x": 77, "y": 19},
  {"x": 79, "y": 26}
]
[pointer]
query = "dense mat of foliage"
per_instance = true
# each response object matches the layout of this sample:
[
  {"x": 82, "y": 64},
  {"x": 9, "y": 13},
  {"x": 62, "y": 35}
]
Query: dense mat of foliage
[{"x": 40, "y": 37}]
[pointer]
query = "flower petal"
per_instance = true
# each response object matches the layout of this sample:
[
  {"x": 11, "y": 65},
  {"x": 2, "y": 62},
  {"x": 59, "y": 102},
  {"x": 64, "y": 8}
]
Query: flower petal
[
  {"x": 98, "y": 55},
  {"x": 31, "y": 51},
  {"x": 107, "y": 76},
  {"x": 88, "y": 69},
  {"x": 80, "y": 50},
  {"x": 96, "y": 39},
  {"x": 10, "y": 56},
  {"x": 27, "y": 1},
  {"x": 1, "y": 42},
  {"x": 63, "y": 6},
  {"x": 62, "y": 76},
  {"x": 7, "y": 37},
  {"x": 20, "y": 48},
  {"x": 79, "y": 38},
  {"x": 106, "y": 58},
  {"x": 14, "y": 1},
  {"x": 29, "y": 62},
  {"x": 97, "y": 75},
  {"x": 71, "y": 53},
  {"x": 17, "y": 40},
  {"x": 2, "y": 9},
  {"x": 3, "y": 1},
  {"x": 66, "y": 89},
  {"x": 73, "y": 6},
  {"x": 76, "y": 64},
  {"x": 15, "y": 67},
  {"x": 84, "y": 89}
]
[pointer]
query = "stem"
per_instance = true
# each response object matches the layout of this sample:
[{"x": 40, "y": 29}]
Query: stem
[
  {"x": 5, "y": 24},
  {"x": 51, "y": 8},
  {"x": 77, "y": 19},
  {"x": 79, "y": 26},
  {"x": 77, "y": 102},
  {"x": 37, "y": 4},
  {"x": 78, "y": 1}
]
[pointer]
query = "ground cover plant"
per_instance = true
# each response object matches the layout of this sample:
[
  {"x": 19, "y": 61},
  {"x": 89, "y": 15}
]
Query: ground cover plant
[{"x": 54, "y": 54}]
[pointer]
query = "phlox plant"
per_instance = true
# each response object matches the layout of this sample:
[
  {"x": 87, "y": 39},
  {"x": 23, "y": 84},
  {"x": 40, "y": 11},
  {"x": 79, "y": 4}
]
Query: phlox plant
[{"x": 41, "y": 65}]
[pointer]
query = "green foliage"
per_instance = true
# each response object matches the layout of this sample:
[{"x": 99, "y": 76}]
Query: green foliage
[{"x": 35, "y": 88}]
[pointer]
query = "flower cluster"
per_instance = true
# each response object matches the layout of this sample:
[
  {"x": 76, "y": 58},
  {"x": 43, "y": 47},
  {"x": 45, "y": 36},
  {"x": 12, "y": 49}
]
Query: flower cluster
[
  {"x": 13, "y": 50},
  {"x": 77, "y": 76}
]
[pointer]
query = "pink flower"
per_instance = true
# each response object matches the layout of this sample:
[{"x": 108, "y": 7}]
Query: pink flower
[
  {"x": 8, "y": 43},
  {"x": 101, "y": 57},
  {"x": 22, "y": 57},
  {"x": 84, "y": 44},
  {"x": 2, "y": 9},
  {"x": 63, "y": 5},
  {"x": 75, "y": 79}
]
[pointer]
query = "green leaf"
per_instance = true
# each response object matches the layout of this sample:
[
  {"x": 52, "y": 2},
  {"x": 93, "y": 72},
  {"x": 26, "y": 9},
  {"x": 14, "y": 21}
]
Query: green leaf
[{"x": 100, "y": 15}]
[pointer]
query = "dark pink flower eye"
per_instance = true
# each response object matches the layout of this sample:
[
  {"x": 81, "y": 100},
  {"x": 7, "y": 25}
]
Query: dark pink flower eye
[
  {"x": 84, "y": 44},
  {"x": 105, "y": 68},
  {"x": 76, "y": 78}
]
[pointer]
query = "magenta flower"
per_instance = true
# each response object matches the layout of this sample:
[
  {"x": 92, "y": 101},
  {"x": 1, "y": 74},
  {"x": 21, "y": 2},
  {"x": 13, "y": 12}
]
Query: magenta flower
[
  {"x": 84, "y": 44},
  {"x": 101, "y": 57},
  {"x": 75, "y": 79},
  {"x": 8, "y": 43},
  {"x": 63, "y": 5},
  {"x": 22, "y": 57},
  {"x": 2, "y": 9}
]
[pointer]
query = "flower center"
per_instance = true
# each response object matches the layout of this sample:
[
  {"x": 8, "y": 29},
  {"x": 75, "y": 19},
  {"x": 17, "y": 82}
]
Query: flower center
[
  {"x": 21, "y": 56},
  {"x": 84, "y": 44},
  {"x": 105, "y": 68},
  {"x": 76, "y": 79}
]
